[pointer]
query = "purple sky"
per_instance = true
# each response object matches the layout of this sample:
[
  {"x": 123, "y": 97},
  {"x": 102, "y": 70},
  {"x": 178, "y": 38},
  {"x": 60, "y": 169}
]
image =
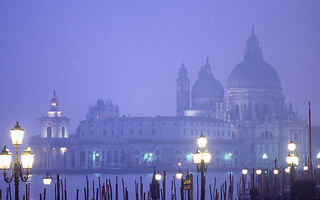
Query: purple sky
[{"x": 130, "y": 52}]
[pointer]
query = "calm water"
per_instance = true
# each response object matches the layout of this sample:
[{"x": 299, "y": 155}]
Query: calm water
[{"x": 75, "y": 182}]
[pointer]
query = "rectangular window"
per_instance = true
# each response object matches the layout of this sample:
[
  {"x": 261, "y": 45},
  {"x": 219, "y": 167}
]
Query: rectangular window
[
  {"x": 63, "y": 132},
  {"x": 49, "y": 132}
]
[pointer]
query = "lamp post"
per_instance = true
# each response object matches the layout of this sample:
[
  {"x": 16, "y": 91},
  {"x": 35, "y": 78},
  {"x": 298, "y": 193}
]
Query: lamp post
[
  {"x": 202, "y": 158},
  {"x": 48, "y": 180},
  {"x": 244, "y": 172},
  {"x": 155, "y": 186},
  {"x": 292, "y": 160},
  {"x": 18, "y": 166}
]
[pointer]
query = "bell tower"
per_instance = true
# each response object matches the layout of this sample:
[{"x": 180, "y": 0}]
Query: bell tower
[
  {"x": 183, "y": 91},
  {"x": 54, "y": 125}
]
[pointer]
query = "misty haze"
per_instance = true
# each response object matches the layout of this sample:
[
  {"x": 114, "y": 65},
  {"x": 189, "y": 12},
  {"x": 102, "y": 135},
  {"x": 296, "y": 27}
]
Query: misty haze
[{"x": 140, "y": 95}]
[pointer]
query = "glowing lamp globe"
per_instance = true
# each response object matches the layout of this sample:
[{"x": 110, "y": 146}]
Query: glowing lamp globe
[
  {"x": 292, "y": 159},
  {"x": 289, "y": 159},
  {"x": 47, "y": 180},
  {"x": 244, "y": 171},
  {"x": 17, "y": 134},
  {"x": 295, "y": 160},
  {"x": 287, "y": 170},
  {"x": 197, "y": 156},
  {"x": 305, "y": 167},
  {"x": 258, "y": 171},
  {"x": 318, "y": 166},
  {"x": 275, "y": 172},
  {"x": 292, "y": 146},
  {"x": 179, "y": 175},
  {"x": 5, "y": 159},
  {"x": 157, "y": 176},
  {"x": 27, "y": 159},
  {"x": 202, "y": 141},
  {"x": 206, "y": 156},
  {"x": 264, "y": 156}
]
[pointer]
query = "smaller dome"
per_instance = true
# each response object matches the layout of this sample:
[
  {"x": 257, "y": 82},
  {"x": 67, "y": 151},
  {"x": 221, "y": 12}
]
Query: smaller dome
[{"x": 207, "y": 86}]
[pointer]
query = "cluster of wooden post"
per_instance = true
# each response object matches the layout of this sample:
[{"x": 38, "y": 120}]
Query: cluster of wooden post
[
  {"x": 266, "y": 185},
  {"x": 8, "y": 196},
  {"x": 226, "y": 190}
]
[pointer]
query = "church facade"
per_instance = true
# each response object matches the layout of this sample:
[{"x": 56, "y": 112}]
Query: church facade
[{"x": 248, "y": 124}]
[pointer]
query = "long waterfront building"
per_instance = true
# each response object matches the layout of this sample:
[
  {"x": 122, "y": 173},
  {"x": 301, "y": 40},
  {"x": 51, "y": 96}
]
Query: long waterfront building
[{"x": 244, "y": 122}]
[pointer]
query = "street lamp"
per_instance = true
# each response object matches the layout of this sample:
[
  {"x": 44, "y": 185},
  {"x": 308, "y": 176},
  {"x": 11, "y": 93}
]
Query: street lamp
[
  {"x": 258, "y": 171},
  {"x": 179, "y": 175},
  {"x": 292, "y": 160},
  {"x": 26, "y": 163},
  {"x": 275, "y": 172},
  {"x": 202, "y": 158},
  {"x": 292, "y": 146},
  {"x": 264, "y": 156},
  {"x": 287, "y": 169},
  {"x": 158, "y": 176},
  {"x": 244, "y": 171},
  {"x": 47, "y": 180}
]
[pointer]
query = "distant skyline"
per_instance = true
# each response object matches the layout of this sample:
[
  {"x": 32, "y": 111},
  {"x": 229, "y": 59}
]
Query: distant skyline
[{"x": 130, "y": 52}]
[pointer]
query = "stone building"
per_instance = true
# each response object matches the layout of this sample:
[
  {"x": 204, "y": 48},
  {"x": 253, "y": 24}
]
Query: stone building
[{"x": 244, "y": 122}]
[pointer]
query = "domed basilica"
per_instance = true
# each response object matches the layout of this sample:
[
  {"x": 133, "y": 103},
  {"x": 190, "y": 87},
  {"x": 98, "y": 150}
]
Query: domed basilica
[{"x": 248, "y": 124}]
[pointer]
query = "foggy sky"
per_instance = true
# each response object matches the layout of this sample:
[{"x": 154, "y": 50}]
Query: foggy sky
[{"x": 130, "y": 52}]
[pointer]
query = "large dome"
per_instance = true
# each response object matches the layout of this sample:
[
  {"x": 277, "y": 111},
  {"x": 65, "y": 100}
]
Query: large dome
[
  {"x": 207, "y": 86},
  {"x": 254, "y": 74},
  {"x": 253, "y": 71}
]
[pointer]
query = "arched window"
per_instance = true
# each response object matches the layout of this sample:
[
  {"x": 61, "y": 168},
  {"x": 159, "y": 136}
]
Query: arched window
[
  {"x": 122, "y": 157},
  {"x": 115, "y": 157},
  {"x": 90, "y": 160},
  {"x": 136, "y": 152},
  {"x": 82, "y": 159},
  {"x": 73, "y": 158},
  {"x": 97, "y": 158},
  {"x": 266, "y": 135}
]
